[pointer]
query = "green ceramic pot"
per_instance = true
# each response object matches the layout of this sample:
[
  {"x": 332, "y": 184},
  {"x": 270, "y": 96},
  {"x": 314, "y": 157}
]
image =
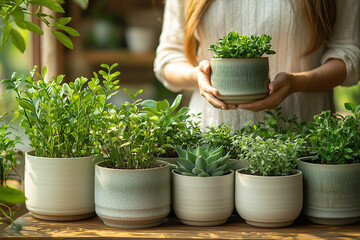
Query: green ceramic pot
[
  {"x": 331, "y": 192},
  {"x": 240, "y": 80}
]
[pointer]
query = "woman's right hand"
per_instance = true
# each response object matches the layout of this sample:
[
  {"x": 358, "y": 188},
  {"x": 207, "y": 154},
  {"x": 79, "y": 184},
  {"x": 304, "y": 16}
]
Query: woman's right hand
[{"x": 206, "y": 90}]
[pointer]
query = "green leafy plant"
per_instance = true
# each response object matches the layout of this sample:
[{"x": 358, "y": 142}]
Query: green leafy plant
[
  {"x": 222, "y": 135},
  {"x": 235, "y": 45},
  {"x": 170, "y": 123},
  {"x": 203, "y": 162},
  {"x": 8, "y": 162},
  {"x": 270, "y": 157},
  {"x": 128, "y": 138},
  {"x": 16, "y": 13},
  {"x": 335, "y": 139},
  {"x": 60, "y": 119}
]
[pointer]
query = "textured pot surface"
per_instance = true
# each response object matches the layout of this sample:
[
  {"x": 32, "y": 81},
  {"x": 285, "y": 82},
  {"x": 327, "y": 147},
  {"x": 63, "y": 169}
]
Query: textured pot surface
[
  {"x": 331, "y": 193},
  {"x": 129, "y": 198},
  {"x": 240, "y": 80},
  {"x": 268, "y": 201},
  {"x": 59, "y": 189},
  {"x": 203, "y": 201}
]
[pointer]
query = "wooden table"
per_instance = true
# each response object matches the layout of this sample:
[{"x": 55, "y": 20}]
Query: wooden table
[{"x": 235, "y": 228}]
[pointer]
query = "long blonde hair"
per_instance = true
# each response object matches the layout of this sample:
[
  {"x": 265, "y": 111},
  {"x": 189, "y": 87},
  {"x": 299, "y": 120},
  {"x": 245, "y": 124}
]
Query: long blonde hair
[{"x": 320, "y": 16}]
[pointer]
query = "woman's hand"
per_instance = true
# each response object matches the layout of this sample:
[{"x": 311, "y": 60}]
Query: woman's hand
[
  {"x": 280, "y": 88},
  {"x": 205, "y": 88}
]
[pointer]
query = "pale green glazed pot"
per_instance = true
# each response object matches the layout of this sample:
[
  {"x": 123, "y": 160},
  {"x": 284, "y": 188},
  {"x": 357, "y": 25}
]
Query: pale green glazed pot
[
  {"x": 132, "y": 198},
  {"x": 331, "y": 193},
  {"x": 240, "y": 80}
]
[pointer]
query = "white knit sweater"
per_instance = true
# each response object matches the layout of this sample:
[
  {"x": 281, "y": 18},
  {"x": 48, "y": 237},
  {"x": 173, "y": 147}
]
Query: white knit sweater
[{"x": 280, "y": 19}]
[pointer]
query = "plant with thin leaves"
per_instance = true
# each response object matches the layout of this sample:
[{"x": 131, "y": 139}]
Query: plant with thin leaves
[
  {"x": 128, "y": 137},
  {"x": 235, "y": 45},
  {"x": 170, "y": 122},
  {"x": 270, "y": 157},
  {"x": 16, "y": 13},
  {"x": 335, "y": 139},
  {"x": 203, "y": 161},
  {"x": 222, "y": 135},
  {"x": 8, "y": 162},
  {"x": 60, "y": 119}
]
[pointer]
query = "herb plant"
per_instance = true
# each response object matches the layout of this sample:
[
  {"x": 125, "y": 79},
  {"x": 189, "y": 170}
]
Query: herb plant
[
  {"x": 335, "y": 139},
  {"x": 17, "y": 12},
  {"x": 270, "y": 157},
  {"x": 128, "y": 138},
  {"x": 60, "y": 119},
  {"x": 203, "y": 162},
  {"x": 8, "y": 195},
  {"x": 170, "y": 123},
  {"x": 235, "y": 45},
  {"x": 222, "y": 135}
]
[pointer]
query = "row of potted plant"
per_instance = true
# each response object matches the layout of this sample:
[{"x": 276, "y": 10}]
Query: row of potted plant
[{"x": 81, "y": 140}]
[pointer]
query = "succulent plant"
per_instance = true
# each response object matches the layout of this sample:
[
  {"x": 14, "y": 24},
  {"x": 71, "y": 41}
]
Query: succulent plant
[{"x": 203, "y": 161}]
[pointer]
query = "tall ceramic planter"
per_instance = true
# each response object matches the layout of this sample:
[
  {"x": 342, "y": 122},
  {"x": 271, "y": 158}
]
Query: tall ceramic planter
[
  {"x": 59, "y": 189},
  {"x": 331, "y": 193},
  {"x": 240, "y": 80},
  {"x": 129, "y": 198},
  {"x": 268, "y": 201},
  {"x": 203, "y": 201}
]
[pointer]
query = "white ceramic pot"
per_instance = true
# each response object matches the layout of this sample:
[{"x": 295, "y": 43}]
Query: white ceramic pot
[
  {"x": 203, "y": 201},
  {"x": 268, "y": 201},
  {"x": 331, "y": 193},
  {"x": 132, "y": 198},
  {"x": 59, "y": 189}
]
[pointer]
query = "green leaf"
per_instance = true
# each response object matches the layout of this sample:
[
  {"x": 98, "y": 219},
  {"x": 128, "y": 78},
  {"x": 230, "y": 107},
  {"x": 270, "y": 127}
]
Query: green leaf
[
  {"x": 65, "y": 40},
  {"x": 181, "y": 152},
  {"x": 149, "y": 103},
  {"x": 26, "y": 105},
  {"x": 185, "y": 163},
  {"x": 175, "y": 103},
  {"x": 5, "y": 34},
  {"x": 11, "y": 195},
  {"x": 62, "y": 21},
  {"x": 50, "y": 4},
  {"x": 69, "y": 30},
  {"x": 349, "y": 106},
  {"x": 33, "y": 27},
  {"x": 18, "y": 40},
  {"x": 200, "y": 163}
]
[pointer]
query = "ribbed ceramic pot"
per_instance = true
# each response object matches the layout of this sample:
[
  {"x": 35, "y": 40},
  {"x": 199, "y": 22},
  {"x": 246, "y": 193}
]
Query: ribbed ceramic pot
[
  {"x": 132, "y": 198},
  {"x": 268, "y": 201},
  {"x": 203, "y": 201},
  {"x": 59, "y": 189},
  {"x": 240, "y": 80},
  {"x": 331, "y": 193}
]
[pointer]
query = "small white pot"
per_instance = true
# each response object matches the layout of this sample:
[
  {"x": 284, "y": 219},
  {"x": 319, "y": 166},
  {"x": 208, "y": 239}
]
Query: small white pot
[
  {"x": 59, "y": 189},
  {"x": 132, "y": 198},
  {"x": 203, "y": 201},
  {"x": 268, "y": 201},
  {"x": 331, "y": 193}
]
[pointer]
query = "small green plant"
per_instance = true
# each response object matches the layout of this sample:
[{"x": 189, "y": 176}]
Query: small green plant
[
  {"x": 335, "y": 139},
  {"x": 170, "y": 123},
  {"x": 60, "y": 119},
  {"x": 203, "y": 162},
  {"x": 235, "y": 45},
  {"x": 16, "y": 13},
  {"x": 128, "y": 138},
  {"x": 269, "y": 157},
  {"x": 222, "y": 135},
  {"x": 8, "y": 162}
]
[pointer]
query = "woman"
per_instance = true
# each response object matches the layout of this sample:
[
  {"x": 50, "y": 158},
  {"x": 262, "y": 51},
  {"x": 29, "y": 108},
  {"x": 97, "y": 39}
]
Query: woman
[{"x": 317, "y": 46}]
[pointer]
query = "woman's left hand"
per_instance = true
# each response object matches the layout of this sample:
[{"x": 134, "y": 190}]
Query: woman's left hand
[{"x": 279, "y": 89}]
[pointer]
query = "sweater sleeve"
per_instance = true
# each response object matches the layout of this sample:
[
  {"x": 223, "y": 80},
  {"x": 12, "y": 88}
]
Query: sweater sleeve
[
  {"x": 345, "y": 41},
  {"x": 171, "y": 44}
]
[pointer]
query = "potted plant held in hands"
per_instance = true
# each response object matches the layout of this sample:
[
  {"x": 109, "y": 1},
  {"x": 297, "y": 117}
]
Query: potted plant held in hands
[
  {"x": 238, "y": 70},
  {"x": 268, "y": 192},
  {"x": 60, "y": 121},
  {"x": 203, "y": 186},
  {"x": 132, "y": 189},
  {"x": 332, "y": 168}
]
